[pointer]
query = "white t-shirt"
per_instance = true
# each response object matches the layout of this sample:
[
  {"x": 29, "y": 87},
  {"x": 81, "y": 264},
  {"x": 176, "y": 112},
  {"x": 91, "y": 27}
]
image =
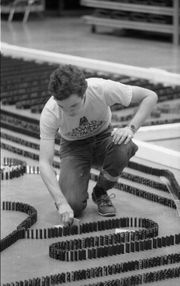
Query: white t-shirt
[{"x": 95, "y": 116}]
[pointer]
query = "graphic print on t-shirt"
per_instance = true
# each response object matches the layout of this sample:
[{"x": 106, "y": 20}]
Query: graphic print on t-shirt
[{"x": 85, "y": 128}]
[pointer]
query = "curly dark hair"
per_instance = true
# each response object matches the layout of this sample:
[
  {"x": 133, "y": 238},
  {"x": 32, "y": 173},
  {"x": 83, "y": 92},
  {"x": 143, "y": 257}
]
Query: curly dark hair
[{"x": 67, "y": 80}]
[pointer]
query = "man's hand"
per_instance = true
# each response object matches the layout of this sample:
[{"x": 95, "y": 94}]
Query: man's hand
[
  {"x": 66, "y": 213},
  {"x": 122, "y": 135}
]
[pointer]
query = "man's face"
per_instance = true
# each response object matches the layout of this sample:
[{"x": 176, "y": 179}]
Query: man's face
[{"x": 73, "y": 105}]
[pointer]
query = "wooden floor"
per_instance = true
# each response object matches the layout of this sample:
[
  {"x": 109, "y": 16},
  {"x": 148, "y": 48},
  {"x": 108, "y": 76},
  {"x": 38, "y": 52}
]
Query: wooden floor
[
  {"x": 70, "y": 35},
  {"x": 28, "y": 258}
]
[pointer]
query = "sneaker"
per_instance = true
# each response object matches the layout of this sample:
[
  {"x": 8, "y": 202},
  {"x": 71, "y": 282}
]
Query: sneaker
[{"x": 105, "y": 206}]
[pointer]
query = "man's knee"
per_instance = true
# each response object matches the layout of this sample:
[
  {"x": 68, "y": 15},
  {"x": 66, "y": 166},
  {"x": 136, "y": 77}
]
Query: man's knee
[
  {"x": 124, "y": 152},
  {"x": 119, "y": 157}
]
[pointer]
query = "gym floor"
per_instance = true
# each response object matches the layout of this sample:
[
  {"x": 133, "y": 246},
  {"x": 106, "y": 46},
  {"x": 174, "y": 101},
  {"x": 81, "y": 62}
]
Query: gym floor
[
  {"x": 29, "y": 258},
  {"x": 73, "y": 37}
]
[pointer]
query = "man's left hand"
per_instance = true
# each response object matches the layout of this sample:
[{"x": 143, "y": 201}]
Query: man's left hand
[{"x": 122, "y": 135}]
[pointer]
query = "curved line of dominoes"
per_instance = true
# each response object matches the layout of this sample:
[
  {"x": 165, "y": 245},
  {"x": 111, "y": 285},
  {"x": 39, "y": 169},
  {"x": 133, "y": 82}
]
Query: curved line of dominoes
[{"x": 145, "y": 237}]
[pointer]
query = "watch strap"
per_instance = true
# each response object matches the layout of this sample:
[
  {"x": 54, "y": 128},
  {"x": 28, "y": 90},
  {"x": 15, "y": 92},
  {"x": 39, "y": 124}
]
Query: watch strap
[{"x": 132, "y": 127}]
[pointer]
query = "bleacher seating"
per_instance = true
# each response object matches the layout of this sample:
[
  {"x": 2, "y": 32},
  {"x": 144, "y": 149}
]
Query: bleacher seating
[{"x": 21, "y": 6}]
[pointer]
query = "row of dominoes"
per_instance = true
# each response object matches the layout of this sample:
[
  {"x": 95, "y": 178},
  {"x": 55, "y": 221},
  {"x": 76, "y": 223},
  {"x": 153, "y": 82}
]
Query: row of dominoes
[
  {"x": 32, "y": 169},
  {"x": 145, "y": 181},
  {"x": 145, "y": 194},
  {"x": 141, "y": 279},
  {"x": 173, "y": 184},
  {"x": 10, "y": 172},
  {"x": 19, "y": 151},
  {"x": 23, "y": 226},
  {"x": 11, "y": 238},
  {"x": 60, "y": 252},
  {"x": 12, "y": 168},
  {"x": 133, "y": 280},
  {"x": 7, "y": 161},
  {"x": 100, "y": 241},
  {"x": 150, "y": 229}
]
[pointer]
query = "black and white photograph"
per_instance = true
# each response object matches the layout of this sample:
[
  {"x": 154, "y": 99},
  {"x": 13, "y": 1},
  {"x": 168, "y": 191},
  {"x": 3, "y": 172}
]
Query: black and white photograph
[{"x": 90, "y": 143}]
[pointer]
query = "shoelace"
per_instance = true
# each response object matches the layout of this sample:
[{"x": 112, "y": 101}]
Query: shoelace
[{"x": 106, "y": 200}]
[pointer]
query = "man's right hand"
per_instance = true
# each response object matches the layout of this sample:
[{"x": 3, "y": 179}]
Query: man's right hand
[{"x": 66, "y": 214}]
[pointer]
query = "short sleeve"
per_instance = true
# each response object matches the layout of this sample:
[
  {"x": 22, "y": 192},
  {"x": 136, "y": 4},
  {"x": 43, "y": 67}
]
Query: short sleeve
[
  {"x": 48, "y": 125},
  {"x": 116, "y": 92}
]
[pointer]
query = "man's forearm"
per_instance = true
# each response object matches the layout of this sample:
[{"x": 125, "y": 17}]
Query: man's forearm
[
  {"x": 144, "y": 110},
  {"x": 49, "y": 178}
]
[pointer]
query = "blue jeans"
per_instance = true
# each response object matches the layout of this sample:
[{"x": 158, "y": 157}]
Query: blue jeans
[{"x": 77, "y": 158}]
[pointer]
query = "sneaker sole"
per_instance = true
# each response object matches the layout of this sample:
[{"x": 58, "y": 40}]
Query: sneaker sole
[{"x": 107, "y": 214}]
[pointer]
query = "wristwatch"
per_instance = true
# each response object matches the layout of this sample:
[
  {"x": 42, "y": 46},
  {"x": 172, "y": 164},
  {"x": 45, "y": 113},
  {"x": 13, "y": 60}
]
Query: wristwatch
[{"x": 133, "y": 128}]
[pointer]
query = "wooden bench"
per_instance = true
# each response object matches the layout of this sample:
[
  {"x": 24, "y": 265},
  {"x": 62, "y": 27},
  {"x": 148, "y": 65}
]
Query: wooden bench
[{"x": 122, "y": 6}]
